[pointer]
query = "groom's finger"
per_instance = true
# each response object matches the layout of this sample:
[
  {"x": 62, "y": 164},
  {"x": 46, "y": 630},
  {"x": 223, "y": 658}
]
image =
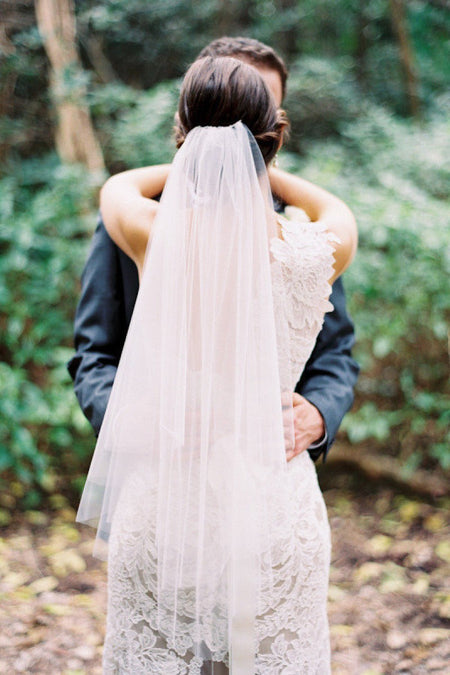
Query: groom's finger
[{"x": 308, "y": 425}]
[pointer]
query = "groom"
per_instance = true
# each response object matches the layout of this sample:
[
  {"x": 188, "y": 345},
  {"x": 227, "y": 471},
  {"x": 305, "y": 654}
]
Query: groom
[{"x": 109, "y": 289}]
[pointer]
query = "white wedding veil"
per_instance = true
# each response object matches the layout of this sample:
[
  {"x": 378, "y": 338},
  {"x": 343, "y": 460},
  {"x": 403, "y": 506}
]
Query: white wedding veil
[{"x": 192, "y": 446}]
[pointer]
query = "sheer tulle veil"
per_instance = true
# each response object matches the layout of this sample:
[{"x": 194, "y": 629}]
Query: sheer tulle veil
[{"x": 195, "y": 422}]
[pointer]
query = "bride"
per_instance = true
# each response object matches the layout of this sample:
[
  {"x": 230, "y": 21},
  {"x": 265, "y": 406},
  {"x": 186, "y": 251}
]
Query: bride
[{"x": 217, "y": 537}]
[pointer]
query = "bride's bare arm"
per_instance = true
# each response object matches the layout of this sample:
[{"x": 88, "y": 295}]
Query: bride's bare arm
[
  {"x": 321, "y": 206},
  {"x": 128, "y": 208}
]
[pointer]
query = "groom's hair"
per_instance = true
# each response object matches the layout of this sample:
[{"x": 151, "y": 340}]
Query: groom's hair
[
  {"x": 250, "y": 50},
  {"x": 224, "y": 90}
]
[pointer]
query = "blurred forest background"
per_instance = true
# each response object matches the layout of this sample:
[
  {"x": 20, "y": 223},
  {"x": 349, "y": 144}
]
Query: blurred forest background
[{"x": 368, "y": 99}]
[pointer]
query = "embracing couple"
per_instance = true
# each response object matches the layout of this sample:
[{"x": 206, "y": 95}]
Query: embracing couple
[{"x": 235, "y": 370}]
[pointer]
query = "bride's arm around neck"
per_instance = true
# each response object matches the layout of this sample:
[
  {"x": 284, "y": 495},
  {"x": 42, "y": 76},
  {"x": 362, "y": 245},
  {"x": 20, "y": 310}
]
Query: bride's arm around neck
[
  {"x": 321, "y": 206},
  {"x": 128, "y": 208}
]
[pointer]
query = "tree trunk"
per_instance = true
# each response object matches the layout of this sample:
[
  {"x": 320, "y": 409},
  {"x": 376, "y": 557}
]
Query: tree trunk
[
  {"x": 362, "y": 45},
  {"x": 225, "y": 17},
  {"x": 7, "y": 90},
  {"x": 406, "y": 55},
  {"x": 75, "y": 137},
  {"x": 290, "y": 33},
  {"x": 99, "y": 62}
]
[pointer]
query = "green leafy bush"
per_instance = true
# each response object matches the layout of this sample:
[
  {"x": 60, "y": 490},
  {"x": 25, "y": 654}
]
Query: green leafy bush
[
  {"x": 45, "y": 215},
  {"x": 143, "y": 134},
  {"x": 321, "y": 96}
]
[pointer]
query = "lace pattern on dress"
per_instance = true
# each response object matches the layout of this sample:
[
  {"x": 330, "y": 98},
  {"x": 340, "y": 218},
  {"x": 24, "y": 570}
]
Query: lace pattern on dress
[
  {"x": 306, "y": 255},
  {"x": 292, "y": 626}
]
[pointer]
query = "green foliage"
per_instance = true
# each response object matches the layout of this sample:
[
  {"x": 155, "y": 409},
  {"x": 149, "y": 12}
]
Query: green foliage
[
  {"x": 322, "y": 96},
  {"x": 135, "y": 129},
  {"x": 430, "y": 27},
  {"x": 143, "y": 133},
  {"x": 45, "y": 213}
]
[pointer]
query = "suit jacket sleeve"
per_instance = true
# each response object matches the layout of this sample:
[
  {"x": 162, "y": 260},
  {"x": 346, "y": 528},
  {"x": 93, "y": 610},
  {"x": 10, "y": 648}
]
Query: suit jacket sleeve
[
  {"x": 331, "y": 372},
  {"x": 109, "y": 287}
]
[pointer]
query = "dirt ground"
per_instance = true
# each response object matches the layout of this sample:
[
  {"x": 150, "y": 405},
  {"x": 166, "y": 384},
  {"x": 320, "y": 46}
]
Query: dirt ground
[{"x": 389, "y": 599}]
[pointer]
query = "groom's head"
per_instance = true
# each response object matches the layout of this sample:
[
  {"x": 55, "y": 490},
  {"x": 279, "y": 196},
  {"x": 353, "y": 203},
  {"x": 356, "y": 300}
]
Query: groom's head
[{"x": 265, "y": 59}]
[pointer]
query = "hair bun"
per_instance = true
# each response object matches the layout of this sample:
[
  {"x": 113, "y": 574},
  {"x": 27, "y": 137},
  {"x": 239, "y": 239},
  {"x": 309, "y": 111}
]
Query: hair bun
[{"x": 223, "y": 90}]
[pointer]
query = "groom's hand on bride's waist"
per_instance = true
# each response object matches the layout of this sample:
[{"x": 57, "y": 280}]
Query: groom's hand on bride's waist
[{"x": 309, "y": 427}]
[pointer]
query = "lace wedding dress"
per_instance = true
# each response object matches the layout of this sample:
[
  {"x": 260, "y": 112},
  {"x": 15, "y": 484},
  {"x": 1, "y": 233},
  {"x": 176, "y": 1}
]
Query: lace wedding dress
[{"x": 291, "y": 627}]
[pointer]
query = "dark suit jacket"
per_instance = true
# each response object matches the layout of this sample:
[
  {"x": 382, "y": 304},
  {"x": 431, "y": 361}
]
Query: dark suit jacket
[{"x": 109, "y": 287}]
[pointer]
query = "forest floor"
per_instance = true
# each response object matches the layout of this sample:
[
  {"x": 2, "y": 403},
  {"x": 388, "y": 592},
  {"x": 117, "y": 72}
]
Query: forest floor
[{"x": 389, "y": 599}]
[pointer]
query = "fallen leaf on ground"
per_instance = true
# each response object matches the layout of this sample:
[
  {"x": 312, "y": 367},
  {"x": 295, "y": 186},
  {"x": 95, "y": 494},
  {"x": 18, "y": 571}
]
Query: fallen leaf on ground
[
  {"x": 443, "y": 551},
  {"x": 14, "y": 580},
  {"x": 396, "y": 639},
  {"x": 368, "y": 571},
  {"x": 67, "y": 561},
  {"x": 36, "y": 517},
  {"x": 43, "y": 584},
  {"x": 435, "y": 522},
  {"x": 57, "y": 610},
  {"x": 429, "y": 636},
  {"x": 379, "y": 544}
]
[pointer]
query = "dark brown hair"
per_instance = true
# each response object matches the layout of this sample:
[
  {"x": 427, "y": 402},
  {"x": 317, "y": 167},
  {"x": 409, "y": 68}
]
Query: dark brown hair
[
  {"x": 249, "y": 50},
  {"x": 221, "y": 91}
]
